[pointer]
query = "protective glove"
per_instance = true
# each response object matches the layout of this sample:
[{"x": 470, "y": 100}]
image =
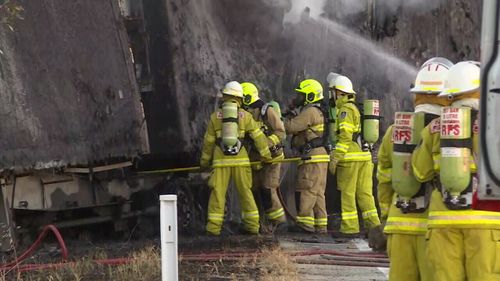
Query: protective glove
[
  {"x": 332, "y": 167},
  {"x": 377, "y": 240},
  {"x": 204, "y": 166}
]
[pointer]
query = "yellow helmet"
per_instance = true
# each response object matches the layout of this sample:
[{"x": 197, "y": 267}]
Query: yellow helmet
[
  {"x": 312, "y": 90},
  {"x": 250, "y": 93},
  {"x": 234, "y": 89}
]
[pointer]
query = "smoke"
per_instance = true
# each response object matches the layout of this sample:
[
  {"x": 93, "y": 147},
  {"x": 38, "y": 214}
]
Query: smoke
[
  {"x": 321, "y": 45},
  {"x": 304, "y": 8},
  {"x": 350, "y": 7}
]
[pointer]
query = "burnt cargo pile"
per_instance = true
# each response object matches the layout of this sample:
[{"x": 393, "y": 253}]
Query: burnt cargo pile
[{"x": 68, "y": 91}]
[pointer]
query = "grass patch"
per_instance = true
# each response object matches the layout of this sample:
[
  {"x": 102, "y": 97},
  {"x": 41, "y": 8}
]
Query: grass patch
[
  {"x": 271, "y": 265},
  {"x": 145, "y": 266}
]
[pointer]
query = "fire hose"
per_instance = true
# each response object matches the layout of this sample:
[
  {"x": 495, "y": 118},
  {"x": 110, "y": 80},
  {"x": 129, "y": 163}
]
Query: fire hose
[
  {"x": 326, "y": 257},
  {"x": 16, "y": 263},
  {"x": 333, "y": 257},
  {"x": 198, "y": 168}
]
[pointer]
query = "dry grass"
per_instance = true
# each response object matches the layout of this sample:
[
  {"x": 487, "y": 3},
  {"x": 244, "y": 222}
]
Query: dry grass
[
  {"x": 271, "y": 265},
  {"x": 144, "y": 267},
  {"x": 276, "y": 265}
]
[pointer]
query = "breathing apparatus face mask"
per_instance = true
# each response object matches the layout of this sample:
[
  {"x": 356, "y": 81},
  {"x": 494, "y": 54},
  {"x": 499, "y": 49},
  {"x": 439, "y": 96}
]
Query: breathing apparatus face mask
[
  {"x": 299, "y": 100},
  {"x": 341, "y": 97}
]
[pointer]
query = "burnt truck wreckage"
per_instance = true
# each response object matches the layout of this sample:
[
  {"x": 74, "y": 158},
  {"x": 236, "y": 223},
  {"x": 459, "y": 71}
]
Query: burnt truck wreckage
[
  {"x": 94, "y": 92},
  {"x": 73, "y": 120}
]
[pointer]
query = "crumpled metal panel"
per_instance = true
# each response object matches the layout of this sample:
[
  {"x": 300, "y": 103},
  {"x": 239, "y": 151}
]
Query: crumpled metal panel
[{"x": 67, "y": 89}]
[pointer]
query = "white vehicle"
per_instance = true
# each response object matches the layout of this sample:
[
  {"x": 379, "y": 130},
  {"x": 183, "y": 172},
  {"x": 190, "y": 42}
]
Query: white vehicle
[{"x": 488, "y": 193}]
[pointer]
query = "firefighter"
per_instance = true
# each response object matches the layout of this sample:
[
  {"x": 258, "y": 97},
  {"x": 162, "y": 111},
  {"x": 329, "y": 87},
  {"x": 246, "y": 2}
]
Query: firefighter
[
  {"x": 266, "y": 178},
  {"x": 402, "y": 198},
  {"x": 463, "y": 244},
  {"x": 223, "y": 149},
  {"x": 352, "y": 165},
  {"x": 307, "y": 129}
]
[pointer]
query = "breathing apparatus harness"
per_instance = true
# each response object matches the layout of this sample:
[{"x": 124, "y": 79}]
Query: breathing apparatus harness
[
  {"x": 263, "y": 110},
  {"x": 369, "y": 120},
  {"x": 412, "y": 196},
  {"x": 324, "y": 139}
]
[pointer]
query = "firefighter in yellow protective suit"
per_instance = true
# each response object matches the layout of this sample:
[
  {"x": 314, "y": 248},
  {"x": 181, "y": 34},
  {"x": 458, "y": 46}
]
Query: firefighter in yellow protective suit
[
  {"x": 222, "y": 148},
  {"x": 353, "y": 166},
  {"x": 266, "y": 177},
  {"x": 406, "y": 225},
  {"x": 307, "y": 129},
  {"x": 463, "y": 244}
]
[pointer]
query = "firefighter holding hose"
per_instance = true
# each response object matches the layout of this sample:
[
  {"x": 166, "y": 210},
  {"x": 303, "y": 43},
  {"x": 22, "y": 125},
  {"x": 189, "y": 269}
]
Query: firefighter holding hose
[
  {"x": 307, "y": 129},
  {"x": 352, "y": 161},
  {"x": 266, "y": 177}
]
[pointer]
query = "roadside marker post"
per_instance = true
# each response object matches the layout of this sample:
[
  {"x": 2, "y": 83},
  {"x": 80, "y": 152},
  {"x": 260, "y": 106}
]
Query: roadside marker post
[{"x": 168, "y": 232}]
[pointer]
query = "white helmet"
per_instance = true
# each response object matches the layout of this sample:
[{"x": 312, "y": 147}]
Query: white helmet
[
  {"x": 463, "y": 78},
  {"x": 431, "y": 76},
  {"x": 330, "y": 79},
  {"x": 343, "y": 84},
  {"x": 233, "y": 88}
]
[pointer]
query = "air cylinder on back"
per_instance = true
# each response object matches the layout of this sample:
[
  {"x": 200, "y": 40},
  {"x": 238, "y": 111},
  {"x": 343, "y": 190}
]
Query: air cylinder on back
[
  {"x": 229, "y": 124},
  {"x": 456, "y": 144},
  {"x": 371, "y": 121}
]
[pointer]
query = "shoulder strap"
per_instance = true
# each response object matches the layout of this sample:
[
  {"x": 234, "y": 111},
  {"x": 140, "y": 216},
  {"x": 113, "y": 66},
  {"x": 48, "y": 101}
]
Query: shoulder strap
[{"x": 263, "y": 110}]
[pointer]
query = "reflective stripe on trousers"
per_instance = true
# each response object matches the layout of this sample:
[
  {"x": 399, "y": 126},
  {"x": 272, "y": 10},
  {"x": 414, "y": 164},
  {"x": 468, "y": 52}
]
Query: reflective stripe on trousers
[
  {"x": 305, "y": 220},
  {"x": 276, "y": 214},
  {"x": 321, "y": 222}
]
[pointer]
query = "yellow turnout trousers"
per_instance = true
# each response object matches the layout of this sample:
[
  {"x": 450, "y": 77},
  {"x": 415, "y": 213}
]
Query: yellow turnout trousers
[
  {"x": 464, "y": 254},
  {"x": 266, "y": 181},
  {"x": 408, "y": 260},
  {"x": 218, "y": 183},
  {"x": 310, "y": 196},
  {"x": 354, "y": 180}
]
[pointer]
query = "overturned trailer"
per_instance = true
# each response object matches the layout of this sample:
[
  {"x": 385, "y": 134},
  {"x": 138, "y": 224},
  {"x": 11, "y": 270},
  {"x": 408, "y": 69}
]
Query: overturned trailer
[{"x": 72, "y": 115}]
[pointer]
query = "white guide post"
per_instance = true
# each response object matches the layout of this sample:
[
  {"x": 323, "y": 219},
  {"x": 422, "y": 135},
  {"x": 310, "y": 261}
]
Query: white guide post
[{"x": 168, "y": 230}]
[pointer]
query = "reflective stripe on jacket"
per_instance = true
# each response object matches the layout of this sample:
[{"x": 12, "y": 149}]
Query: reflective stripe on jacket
[
  {"x": 247, "y": 126},
  {"x": 349, "y": 124},
  {"x": 306, "y": 126}
]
